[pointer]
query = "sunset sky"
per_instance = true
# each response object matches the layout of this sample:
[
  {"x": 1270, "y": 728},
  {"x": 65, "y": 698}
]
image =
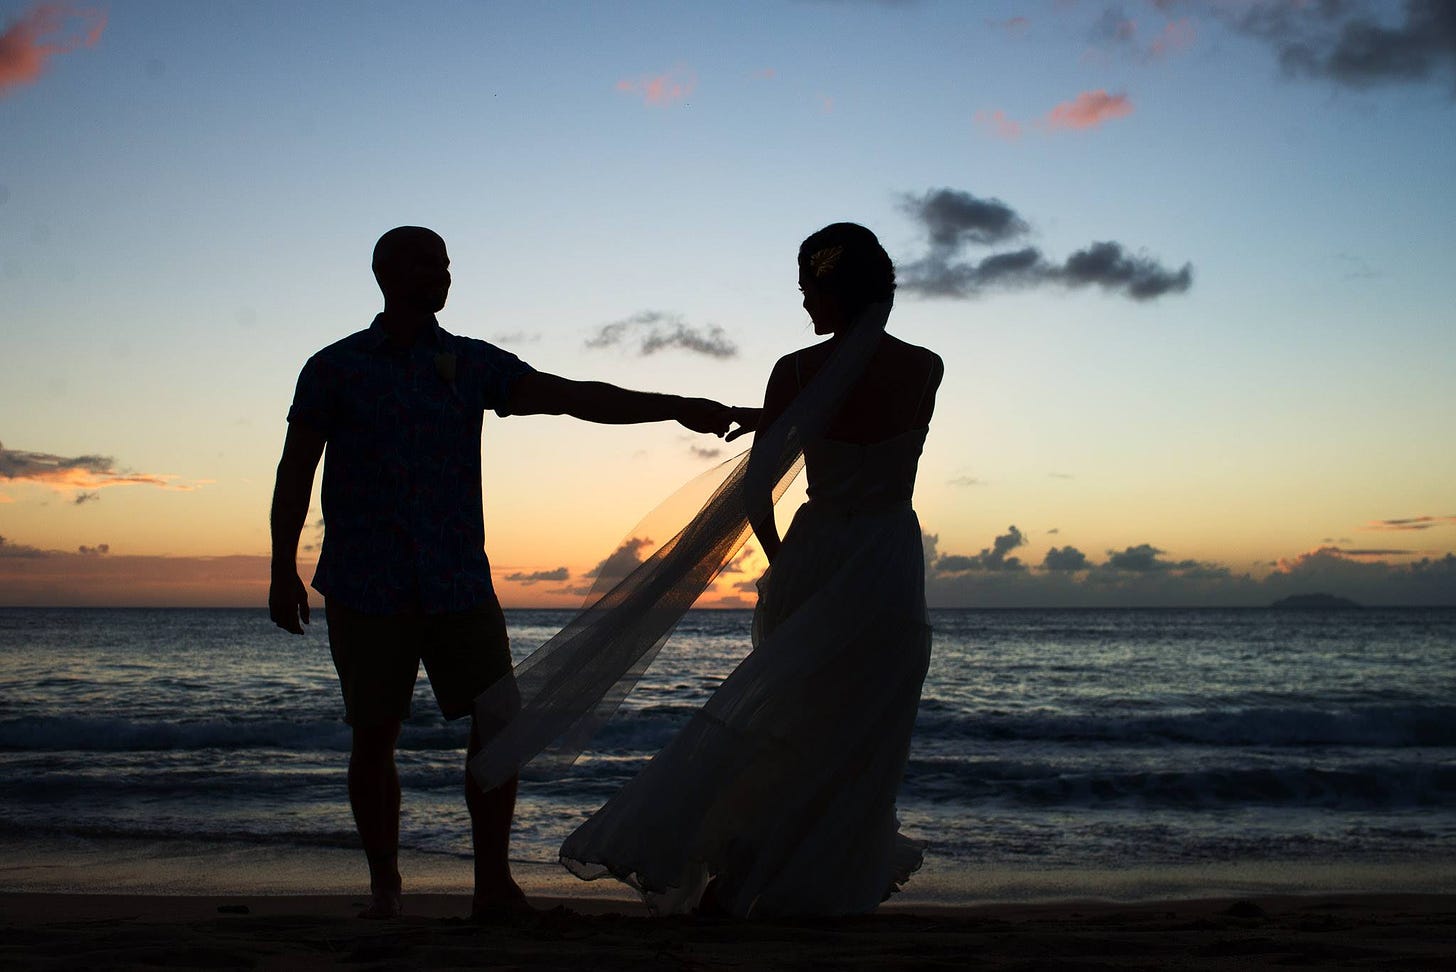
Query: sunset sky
[{"x": 1189, "y": 265}]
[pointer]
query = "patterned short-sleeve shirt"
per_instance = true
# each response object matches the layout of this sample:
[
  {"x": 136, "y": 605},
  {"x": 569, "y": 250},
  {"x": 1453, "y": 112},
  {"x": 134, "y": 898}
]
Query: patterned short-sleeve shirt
[{"x": 403, "y": 524}]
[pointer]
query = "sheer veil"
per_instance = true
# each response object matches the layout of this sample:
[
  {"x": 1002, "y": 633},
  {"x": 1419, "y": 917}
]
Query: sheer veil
[{"x": 538, "y": 720}]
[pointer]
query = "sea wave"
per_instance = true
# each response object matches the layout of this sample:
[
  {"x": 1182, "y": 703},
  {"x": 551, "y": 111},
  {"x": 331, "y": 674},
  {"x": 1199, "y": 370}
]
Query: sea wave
[
  {"x": 939, "y": 726},
  {"x": 1382, "y": 725},
  {"x": 117, "y": 734},
  {"x": 1368, "y": 786}
]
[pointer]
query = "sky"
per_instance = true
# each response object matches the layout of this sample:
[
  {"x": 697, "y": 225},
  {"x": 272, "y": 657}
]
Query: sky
[{"x": 1188, "y": 264}]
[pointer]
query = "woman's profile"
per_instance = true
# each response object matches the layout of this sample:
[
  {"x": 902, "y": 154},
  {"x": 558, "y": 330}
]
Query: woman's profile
[{"x": 778, "y": 797}]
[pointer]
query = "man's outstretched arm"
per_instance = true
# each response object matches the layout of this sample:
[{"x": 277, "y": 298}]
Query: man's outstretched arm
[
  {"x": 287, "y": 597},
  {"x": 539, "y": 393}
]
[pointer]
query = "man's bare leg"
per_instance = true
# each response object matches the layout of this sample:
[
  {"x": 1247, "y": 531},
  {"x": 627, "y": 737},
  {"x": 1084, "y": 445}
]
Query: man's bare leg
[
  {"x": 490, "y": 828},
  {"x": 374, "y": 795}
]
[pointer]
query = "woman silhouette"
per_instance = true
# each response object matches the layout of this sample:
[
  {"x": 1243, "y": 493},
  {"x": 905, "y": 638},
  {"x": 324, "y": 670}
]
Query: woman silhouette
[{"x": 778, "y": 797}]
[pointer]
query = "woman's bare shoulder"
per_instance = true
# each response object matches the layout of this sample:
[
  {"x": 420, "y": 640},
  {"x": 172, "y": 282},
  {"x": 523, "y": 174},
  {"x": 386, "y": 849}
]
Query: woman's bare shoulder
[
  {"x": 912, "y": 358},
  {"x": 904, "y": 348}
]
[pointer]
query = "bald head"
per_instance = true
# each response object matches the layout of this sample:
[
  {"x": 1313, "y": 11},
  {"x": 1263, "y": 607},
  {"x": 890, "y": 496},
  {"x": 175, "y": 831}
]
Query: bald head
[{"x": 412, "y": 268}]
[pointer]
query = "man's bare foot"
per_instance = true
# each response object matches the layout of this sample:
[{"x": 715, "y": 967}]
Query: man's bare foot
[
  {"x": 499, "y": 900},
  {"x": 383, "y": 905}
]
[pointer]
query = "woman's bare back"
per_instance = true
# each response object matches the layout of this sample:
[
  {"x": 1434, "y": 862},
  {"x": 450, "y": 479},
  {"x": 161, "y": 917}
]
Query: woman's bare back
[{"x": 896, "y": 393}]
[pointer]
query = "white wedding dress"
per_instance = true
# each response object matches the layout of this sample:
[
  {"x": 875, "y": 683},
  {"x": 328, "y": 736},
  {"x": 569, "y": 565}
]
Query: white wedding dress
[{"x": 782, "y": 787}]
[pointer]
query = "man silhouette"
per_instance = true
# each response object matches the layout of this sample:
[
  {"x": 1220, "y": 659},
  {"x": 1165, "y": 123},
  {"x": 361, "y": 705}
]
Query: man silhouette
[{"x": 403, "y": 569}]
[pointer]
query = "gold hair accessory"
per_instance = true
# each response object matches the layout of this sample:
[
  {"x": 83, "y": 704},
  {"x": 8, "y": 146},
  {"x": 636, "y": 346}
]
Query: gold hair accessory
[{"x": 823, "y": 261}]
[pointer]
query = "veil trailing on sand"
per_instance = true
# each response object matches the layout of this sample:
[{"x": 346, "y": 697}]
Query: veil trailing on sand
[{"x": 538, "y": 720}]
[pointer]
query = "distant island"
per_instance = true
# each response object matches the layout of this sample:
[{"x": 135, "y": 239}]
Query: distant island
[{"x": 1324, "y": 602}]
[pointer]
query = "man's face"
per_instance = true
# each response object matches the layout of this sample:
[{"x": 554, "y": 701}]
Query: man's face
[{"x": 419, "y": 275}]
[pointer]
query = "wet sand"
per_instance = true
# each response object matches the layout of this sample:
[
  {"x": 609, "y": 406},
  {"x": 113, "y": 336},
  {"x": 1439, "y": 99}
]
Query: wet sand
[{"x": 64, "y": 931}]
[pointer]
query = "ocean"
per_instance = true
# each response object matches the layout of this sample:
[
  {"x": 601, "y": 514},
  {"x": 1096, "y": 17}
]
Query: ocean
[{"x": 1111, "y": 752}]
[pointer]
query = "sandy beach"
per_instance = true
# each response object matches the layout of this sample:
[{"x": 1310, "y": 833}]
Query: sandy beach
[
  {"x": 245, "y": 906},
  {"x": 65, "y": 931}
]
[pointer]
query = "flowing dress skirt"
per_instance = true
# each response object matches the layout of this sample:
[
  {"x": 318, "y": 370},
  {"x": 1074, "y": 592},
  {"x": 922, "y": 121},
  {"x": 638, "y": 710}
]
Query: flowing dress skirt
[{"x": 783, "y": 785}]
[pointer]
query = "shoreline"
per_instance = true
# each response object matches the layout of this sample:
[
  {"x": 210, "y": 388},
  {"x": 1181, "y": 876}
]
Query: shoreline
[
  {"x": 320, "y": 931},
  {"x": 188, "y": 868}
]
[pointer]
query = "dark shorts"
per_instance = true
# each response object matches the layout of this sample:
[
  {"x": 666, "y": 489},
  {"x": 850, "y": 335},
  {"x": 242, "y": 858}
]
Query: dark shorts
[{"x": 378, "y": 657}]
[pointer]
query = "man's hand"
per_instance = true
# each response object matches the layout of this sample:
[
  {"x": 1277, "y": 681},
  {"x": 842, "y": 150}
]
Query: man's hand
[
  {"x": 705, "y": 415},
  {"x": 747, "y": 419},
  {"x": 288, "y": 601}
]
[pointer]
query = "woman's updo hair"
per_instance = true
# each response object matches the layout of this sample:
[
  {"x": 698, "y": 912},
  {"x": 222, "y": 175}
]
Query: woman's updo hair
[{"x": 847, "y": 260}]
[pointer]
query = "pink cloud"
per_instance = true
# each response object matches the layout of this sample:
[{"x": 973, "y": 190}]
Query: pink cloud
[
  {"x": 1177, "y": 36},
  {"x": 661, "y": 89},
  {"x": 41, "y": 33},
  {"x": 1088, "y": 110},
  {"x": 765, "y": 74},
  {"x": 1000, "y": 124}
]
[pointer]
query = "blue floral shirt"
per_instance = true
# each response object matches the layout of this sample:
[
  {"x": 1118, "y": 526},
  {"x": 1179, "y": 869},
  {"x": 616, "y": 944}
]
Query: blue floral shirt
[{"x": 403, "y": 527}]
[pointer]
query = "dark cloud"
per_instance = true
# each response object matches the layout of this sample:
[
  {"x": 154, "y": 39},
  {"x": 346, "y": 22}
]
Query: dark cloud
[
  {"x": 16, "y": 464},
  {"x": 938, "y": 275},
  {"x": 991, "y": 558},
  {"x": 1410, "y": 523},
  {"x": 1114, "y": 26},
  {"x": 1065, "y": 558},
  {"x": 536, "y": 576},
  {"x": 1353, "y": 43},
  {"x": 622, "y": 561},
  {"x": 738, "y": 564},
  {"x": 652, "y": 331},
  {"x": 1330, "y": 570},
  {"x": 1146, "y": 577},
  {"x": 99, "y": 550},
  {"x": 86, "y": 473},
  {"x": 1143, "y": 558},
  {"x": 610, "y": 571},
  {"x": 1440, "y": 566},
  {"x": 1117, "y": 31},
  {"x": 703, "y": 452},
  {"x": 11, "y": 549},
  {"x": 82, "y": 498},
  {"x": 516, "y": 337},
  {"x": 964, "y": 481},
  {"x": 1373, "y": 552},
  {"x": 953, "y": 220},
  {"x": 1110, "y": 267}
]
